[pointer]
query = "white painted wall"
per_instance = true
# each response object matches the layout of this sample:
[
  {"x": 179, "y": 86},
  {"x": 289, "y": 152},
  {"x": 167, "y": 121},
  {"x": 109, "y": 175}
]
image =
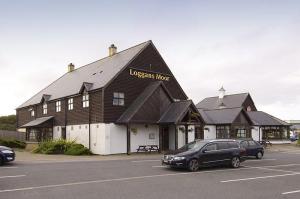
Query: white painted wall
[
  {"x": 255, "y": 133},
  {"x": 191, "y": 133},
  {"x": 140, "y": 136},
  {"x": 56, "y": 132},
  {"x": 210, "y": 133},
  {"x": 98, "y": 138},
  {"x": 115, "y": 138},
  {"x": 79, "y": 133}
]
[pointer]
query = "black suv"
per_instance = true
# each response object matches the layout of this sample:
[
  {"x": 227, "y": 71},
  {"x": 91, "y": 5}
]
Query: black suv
[
  {"x": 202, "y": 153},
  {"x": 6, "y": 155}
]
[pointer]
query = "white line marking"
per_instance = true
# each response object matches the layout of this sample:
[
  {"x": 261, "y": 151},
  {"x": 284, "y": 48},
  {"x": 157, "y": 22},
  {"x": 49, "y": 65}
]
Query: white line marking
[
  {"x": 17, "y": 176},
  {"x": 266, "y": 168},
  {"x": 136, "y": 161},
  {"x": 8, "y": 167},
  {"x": 160, "y": 166},
  {"x": 260, "y": 177},
  {"x": 261, "y": 160},
  {"x": 289, "y": 192}
]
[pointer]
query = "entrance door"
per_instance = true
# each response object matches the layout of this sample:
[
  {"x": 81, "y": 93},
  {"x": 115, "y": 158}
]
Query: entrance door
[
  {"x": 165, "y": 138},
  {"x": 199, "y": 133}
]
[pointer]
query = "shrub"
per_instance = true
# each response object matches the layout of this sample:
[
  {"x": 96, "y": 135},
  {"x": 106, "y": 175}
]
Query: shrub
[
  {"x": 12, "y": 143},
  {"x": 77, "y": 149},
  {"x": 61, "y": 147},
  {"x": 298, "y": 142}
]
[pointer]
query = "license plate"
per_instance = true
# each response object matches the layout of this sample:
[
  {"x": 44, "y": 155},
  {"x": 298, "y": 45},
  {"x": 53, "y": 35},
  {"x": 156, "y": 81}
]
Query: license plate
[{"x": 9, "y": 158}]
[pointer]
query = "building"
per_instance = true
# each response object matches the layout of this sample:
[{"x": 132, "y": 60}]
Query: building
[
  {"x": 236, "y": 116},
  {"x": 113, "y": 105}
]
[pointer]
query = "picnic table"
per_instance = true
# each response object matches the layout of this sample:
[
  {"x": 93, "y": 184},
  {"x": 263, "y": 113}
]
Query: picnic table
[{"x": 147, "y": 148}]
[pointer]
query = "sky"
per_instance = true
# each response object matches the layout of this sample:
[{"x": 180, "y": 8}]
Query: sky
[{"x": 244, "y": 46}]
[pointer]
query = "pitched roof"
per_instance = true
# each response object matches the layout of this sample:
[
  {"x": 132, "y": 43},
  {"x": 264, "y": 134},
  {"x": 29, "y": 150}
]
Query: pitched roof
[
  {"x": 230, "y": 101},
  {"x": 261, "y": 118},
  {"x": 37, "y": 121},
  {"x": 175, "y": 112},
  {"x": 139, "y": 102},
  {"x": 97, "y": 74},
  {"x": 220, "y": 116}
]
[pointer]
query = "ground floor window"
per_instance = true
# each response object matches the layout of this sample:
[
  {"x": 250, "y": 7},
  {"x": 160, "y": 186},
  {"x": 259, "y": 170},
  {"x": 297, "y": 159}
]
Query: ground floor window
[
  {"x": 274, "y": 133},
  {"x": 223, "y": 132},
  {"x": 39, "y": 134},
  {"x": 241, "y": 133},
  {"x": 199, "y": 134}
]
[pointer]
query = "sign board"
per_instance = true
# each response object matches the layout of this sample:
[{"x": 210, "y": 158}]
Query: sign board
[{"x": 148, "y": 75}]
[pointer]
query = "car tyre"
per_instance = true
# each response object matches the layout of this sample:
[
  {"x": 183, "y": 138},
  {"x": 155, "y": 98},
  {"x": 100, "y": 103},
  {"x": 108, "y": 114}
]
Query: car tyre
[
  {"x": 259, "y": 155},
  {"x": 235, "y": 162},
  {"x": 193, "y": 165}
]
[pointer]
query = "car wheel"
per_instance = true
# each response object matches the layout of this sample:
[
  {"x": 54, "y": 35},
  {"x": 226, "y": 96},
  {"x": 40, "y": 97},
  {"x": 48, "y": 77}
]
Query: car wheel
[
  {"x": 259, "y": 155},
  {"x": 235, "y": 162},
  {"x": 193, "y": 165},
  {"x": 1, "y": 161}
]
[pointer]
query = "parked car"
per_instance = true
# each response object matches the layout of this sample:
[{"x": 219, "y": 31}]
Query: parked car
[
  {"x": 6, "y": 155},
  {"x": 253, "y": 148},
  {"x": 203, "y": 153}
]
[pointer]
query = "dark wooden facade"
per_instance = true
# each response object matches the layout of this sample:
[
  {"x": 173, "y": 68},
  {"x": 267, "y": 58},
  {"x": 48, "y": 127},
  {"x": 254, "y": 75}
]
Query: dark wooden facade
[
  {"x": 101, "y": 108},
  {"x": 248, "y": 104}
]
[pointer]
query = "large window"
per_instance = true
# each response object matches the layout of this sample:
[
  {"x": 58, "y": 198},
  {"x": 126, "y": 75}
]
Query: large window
[
  {"x": 118, "y": 99},
  {"x": 274, "y": 133},
  {"x": 70, "y": 104},
  {"x": 45, "y": 108},
  {"x": 32, "y": 113},
  {"x": 241, "y": 133},
  {"x": 85, "y": 100},
  {"x": 223, "y": 132},
  {"x": 58, "y": 106}
]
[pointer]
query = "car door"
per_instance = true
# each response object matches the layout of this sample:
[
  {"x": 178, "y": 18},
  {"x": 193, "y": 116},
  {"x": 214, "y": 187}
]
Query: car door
[
  {"x": 253, "y": 148},
  {"x": 245, "y": 145},
  {"x": 224, "y": 152},
  {"x": 209, "y": 154}
]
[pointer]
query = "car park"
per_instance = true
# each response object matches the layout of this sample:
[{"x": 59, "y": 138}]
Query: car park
[
  {"x": 252, "y": 148},
  {"x": 6, "y": 155},
  {"x": 203, "y": 153}
]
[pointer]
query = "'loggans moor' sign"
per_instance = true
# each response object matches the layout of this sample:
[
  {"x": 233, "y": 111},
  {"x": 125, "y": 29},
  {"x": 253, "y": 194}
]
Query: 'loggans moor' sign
[{"x": 149, "y": 75}]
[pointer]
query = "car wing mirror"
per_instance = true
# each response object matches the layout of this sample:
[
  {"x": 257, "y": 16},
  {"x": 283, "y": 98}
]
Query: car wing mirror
[{"x": 204, "y": 150}]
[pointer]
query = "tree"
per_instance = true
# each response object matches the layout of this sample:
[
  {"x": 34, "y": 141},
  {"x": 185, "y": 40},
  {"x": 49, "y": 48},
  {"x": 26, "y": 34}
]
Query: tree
[{"x": 8, "y": 122}]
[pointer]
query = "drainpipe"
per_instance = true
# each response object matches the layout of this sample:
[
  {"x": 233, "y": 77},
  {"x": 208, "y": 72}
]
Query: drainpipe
[
  {"x": 259, "y": 134},
  {"x": 89, "y": 123}
]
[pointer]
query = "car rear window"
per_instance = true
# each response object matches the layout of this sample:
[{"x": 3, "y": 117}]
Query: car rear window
[
  {"x": 244, "y": 144},
  {"x": 252, "y": 143},
  {"x": 211, "y": 147}
]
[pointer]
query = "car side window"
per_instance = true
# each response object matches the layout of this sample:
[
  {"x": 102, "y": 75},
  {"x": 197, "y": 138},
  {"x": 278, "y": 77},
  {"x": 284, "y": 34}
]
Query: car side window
[
  {"x": 252, "y": 143},
  {"x": 233, "y": 145},
  {"x": 244, "y": 144},
  {"x": 211, "y": 147},
  {"x": 222, "y": 145}
]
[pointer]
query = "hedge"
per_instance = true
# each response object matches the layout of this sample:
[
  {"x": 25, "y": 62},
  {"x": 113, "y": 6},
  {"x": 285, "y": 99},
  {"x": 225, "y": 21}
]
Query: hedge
[{"x": 12, "y": 143}]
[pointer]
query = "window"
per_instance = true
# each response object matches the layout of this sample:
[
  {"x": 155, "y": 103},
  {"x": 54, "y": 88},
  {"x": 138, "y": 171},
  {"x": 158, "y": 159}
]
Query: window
[
  {"x": 45, "y": 108},
  {"x": 241, "y": 133},
  {"x": 151, "y": 136},
  {"x": 244, "y": 144},
  {"x": 70, "y": 104},
  {"x": 223, "y": 132},
  {"x": 233, "y": 145},
  {"x": 222, "y": 145},
  {"x": 252, "y": 143},
  {"x": 85, "y": 100},
  {"x": 118, "y": 99},
  {"x": 58, "y": 106},
  {"x": 32, "y": 113},
  {"x": 211, "y": 147}
]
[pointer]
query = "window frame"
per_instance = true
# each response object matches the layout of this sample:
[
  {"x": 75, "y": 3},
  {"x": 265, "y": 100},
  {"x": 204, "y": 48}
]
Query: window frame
[
  {"x": 58, "y": 106},
  {"x": 85, "y": 100},
  {"x": 45, "y": 108},
  {"x": 118, "y": 99},
  {"x": 71, "y": 104}
]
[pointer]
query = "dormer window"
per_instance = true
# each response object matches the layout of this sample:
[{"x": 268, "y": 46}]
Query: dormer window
[
  {"x": 45, "y": 108},
  {"x": 85, "y": 100},
  {"x": 58, "y": 106},
  {"x": 70, "y": 104}
]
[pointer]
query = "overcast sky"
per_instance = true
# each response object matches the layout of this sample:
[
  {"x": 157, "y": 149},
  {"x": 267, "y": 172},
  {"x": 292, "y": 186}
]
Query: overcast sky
[{"x": 246, "y": 46}]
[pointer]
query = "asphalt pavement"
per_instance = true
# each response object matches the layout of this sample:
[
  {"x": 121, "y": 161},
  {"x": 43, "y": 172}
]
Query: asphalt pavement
[{"x": 277, "y": 175}]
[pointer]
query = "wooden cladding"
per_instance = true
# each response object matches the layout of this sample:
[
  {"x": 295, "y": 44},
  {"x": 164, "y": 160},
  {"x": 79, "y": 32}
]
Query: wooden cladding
[{"x": 78, "y": 115}]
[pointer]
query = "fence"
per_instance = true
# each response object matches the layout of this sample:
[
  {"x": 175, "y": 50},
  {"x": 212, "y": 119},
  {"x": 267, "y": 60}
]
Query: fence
[{"x": 12, "y": 135}]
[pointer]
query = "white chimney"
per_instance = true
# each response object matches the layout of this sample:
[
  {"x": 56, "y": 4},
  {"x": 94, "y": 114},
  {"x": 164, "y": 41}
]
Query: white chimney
[
  {"x": 112, "y": 50},
  {"x": 71, "y": 67},
  {"x": 221, "y": 93}
]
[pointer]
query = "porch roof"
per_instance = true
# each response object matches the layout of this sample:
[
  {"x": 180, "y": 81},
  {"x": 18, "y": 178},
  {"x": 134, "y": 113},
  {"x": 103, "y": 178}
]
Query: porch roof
[
  {"x": 261, "y": 118},
  {"x": 37, "y": 121}
]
